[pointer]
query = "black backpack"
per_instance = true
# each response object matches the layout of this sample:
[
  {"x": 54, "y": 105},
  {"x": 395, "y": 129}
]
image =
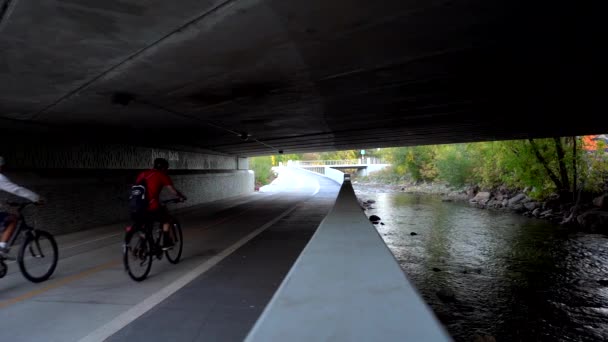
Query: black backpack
[{"x": 138, "y": 198}]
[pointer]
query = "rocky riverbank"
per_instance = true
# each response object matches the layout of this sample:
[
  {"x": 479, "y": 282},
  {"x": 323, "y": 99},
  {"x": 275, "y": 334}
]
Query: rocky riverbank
[{"x": 589, "y": 214}]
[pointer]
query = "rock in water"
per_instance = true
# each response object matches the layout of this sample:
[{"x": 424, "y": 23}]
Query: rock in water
[
  {"x": 374, "y": 218},
  {"x": 446, "y": 295}
]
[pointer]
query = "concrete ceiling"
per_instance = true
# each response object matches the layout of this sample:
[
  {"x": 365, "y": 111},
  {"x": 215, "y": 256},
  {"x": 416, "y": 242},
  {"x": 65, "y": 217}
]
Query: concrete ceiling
[{"x": 301, "y": 76}]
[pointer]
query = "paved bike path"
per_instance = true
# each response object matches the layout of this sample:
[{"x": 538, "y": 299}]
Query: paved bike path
[
  {"x": 90, "y": 288},
  {"x": 224, "y": 303}
]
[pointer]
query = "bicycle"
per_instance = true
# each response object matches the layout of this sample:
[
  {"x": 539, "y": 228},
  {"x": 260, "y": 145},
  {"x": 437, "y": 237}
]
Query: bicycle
[
  {"x": 143, "y": 242},
  {"x": 38, "y": 249}
]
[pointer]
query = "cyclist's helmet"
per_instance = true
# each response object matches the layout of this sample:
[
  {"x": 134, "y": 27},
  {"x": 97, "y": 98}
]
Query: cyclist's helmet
[{"x": 161, "y": 164}]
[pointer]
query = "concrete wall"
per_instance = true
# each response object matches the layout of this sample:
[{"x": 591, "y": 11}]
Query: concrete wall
[
  {"x": 336, "y": 175},
  {"x": 87, "y": 185},
  {"x": 113, "y": 156}
]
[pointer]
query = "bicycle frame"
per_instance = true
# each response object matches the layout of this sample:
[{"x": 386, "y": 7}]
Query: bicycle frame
[
  {"x": 148, "y": 229},
  {"x": 22, "y": 226},
  {"x": 155, "y": 233},
  {"x": 147, "y": 226}
]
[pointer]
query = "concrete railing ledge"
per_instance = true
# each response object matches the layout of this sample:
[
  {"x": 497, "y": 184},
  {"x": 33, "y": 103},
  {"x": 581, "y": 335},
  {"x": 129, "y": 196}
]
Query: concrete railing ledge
[{"x": 346, "y": 286}]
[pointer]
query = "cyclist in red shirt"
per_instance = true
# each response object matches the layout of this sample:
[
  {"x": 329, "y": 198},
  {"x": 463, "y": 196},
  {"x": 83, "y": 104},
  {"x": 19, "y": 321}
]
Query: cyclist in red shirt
[{"x": 156, "y": 179}]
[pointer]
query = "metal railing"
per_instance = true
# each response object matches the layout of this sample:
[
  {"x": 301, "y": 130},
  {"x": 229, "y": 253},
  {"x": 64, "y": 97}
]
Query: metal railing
[{"x": 361, "y": 161}]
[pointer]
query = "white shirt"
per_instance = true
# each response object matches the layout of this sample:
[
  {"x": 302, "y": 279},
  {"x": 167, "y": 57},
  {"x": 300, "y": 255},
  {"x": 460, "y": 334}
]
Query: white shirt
[{"x": 10, "y": 187}]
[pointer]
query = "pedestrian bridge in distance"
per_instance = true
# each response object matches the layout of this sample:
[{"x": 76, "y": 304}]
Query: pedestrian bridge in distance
[{"x": 364, "y": 166}]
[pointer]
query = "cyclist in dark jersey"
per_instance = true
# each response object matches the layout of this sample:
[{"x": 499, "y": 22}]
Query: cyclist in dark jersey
[{"x": 156, "y": 179}]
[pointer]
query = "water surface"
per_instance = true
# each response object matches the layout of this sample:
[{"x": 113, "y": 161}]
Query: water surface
[{"x": 488, "y": 272}]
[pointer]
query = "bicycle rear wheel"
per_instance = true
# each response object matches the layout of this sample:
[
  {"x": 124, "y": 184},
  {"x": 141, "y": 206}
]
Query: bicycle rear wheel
[
  {"x": 175, "y": 253},
  {"x": 137, "y": 255},
  {"x": 38, "y": 256}
]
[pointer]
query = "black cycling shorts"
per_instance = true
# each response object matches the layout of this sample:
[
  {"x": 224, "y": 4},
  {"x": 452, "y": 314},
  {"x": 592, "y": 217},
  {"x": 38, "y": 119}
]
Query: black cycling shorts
[
  {"x": 159, "y": 215},
  {"x": 3, "y": 220}
]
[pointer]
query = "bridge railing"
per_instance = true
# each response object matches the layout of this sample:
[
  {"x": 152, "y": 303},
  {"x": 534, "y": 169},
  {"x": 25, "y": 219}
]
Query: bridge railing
[
  {"x": 346, "y": 286},
  {"x": 361, "y": 161}
]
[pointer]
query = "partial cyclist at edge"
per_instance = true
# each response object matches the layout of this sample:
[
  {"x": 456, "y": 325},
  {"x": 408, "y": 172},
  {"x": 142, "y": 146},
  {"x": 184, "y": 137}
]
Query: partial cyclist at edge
[
  {"x": 8, "y": 221},
  {"x": 156, "y": 179}
]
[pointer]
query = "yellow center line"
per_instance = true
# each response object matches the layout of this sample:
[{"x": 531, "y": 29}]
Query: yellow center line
[{"x": 58, "y": 283}]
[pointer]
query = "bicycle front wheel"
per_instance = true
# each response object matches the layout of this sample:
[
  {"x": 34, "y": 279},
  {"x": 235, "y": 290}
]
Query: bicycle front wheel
[
  {"x": 38, "y": 256},
  {"x": 137, "y": 255},
  {"x": 175, "y": 253}
]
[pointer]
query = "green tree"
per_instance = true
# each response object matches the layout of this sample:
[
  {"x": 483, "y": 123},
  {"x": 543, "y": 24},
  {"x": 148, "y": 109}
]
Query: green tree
[
  {"x": 488, "y": 159},
  {"x": 455, "y": 164},
  {"x": 593, "y": 169},
  {"x": 283, "y": 158},
  {"x": 543, "y": 165},
  {"x": 311, "y": 156},
  {"x": 339, "y": 155},
  {"x": 396, "y": 156},
  {"x": 261, "y": 167},
  {"x": 418, "y": 161},
  {"x": 421, "y": 164}
]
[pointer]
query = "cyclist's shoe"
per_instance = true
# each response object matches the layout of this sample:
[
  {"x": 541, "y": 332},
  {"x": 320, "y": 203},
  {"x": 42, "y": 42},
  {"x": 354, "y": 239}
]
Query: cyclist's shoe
[
  {"x": 168, "y": 243},
  {"x": 4, "y": 254}
]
